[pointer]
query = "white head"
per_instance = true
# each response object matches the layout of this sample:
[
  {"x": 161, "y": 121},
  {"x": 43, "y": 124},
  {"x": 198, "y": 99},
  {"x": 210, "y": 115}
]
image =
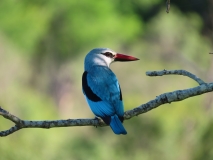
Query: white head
[{"x": 104, "y": 57}]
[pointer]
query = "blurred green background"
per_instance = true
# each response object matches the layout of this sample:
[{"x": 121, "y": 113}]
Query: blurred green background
[{"x": 42, "y": 50}]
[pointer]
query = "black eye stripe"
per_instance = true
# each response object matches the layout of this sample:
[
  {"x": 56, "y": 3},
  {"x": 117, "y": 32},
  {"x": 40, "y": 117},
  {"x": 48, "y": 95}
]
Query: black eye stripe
[{"x": 108, "y": 54}]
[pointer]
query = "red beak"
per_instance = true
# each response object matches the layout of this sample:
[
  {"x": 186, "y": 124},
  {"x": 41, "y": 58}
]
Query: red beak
[{"x": 123, "y": 57}]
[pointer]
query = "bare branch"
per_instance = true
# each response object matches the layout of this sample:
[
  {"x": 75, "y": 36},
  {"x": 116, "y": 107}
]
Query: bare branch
[
  {"x": 169, "y": 97},
  {"x": 46, "y": 124},
  {"x": 175, "y": 72},
  {"x": 9, "y": 116},
  {"x": 9, "y": 131}
]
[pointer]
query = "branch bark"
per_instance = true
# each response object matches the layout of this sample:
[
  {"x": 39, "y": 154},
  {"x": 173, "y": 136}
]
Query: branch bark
[{"x": 164, "y": 98}]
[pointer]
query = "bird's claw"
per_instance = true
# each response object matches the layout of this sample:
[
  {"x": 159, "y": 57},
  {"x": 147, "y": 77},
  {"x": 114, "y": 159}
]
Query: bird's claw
[{"x": 96, "y": 118}]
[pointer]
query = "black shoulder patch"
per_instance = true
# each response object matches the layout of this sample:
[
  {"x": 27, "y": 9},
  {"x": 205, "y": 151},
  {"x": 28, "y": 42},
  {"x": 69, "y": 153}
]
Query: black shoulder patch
[
  {"x": 120, "y": 93},
  {"x": 87, "y": 90}
]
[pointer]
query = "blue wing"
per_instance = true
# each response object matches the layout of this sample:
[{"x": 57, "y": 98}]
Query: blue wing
[
  {"x": 103, "y": 94},
  {"x": 102, "y": 91}
]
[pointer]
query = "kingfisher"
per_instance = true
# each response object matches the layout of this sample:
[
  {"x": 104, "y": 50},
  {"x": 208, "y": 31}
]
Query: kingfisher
[{"x": 101, "y": 88}]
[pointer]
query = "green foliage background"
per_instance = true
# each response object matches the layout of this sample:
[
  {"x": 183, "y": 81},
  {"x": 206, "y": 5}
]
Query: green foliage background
[{"x": 42, "y": 50}]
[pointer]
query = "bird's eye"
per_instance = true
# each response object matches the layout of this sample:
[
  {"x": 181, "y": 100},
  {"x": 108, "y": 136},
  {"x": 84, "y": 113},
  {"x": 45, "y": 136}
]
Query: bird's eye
[{"x": 108, "y": 54}]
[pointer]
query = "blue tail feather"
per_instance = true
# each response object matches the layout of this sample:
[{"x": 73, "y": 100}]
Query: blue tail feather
[{"x": 117, "y": 126}]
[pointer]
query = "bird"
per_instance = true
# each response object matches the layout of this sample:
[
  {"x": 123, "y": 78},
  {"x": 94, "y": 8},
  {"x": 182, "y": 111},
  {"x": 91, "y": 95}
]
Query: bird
[{"x": 101, "y": 88}]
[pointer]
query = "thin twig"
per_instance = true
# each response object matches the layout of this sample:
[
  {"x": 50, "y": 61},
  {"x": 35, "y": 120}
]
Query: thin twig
[
  {"x": 175, "y": 72},
  {"x": 9, "y": 131},
  {"x": 9, "y": 116}
]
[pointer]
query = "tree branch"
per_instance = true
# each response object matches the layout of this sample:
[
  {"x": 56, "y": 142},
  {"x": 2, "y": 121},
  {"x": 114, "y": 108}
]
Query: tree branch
[
  {"x": 168, "y": 97},
  {"x": 175, "y": 72}
]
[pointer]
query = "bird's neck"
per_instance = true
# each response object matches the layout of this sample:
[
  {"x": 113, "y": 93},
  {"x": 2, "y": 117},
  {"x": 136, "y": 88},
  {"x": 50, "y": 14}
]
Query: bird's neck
[{"x": 95, "y": 62}]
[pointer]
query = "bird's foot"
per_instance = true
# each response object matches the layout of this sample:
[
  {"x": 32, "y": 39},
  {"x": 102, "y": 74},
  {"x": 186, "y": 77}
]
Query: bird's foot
[{"x": 97, "y": 118}]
